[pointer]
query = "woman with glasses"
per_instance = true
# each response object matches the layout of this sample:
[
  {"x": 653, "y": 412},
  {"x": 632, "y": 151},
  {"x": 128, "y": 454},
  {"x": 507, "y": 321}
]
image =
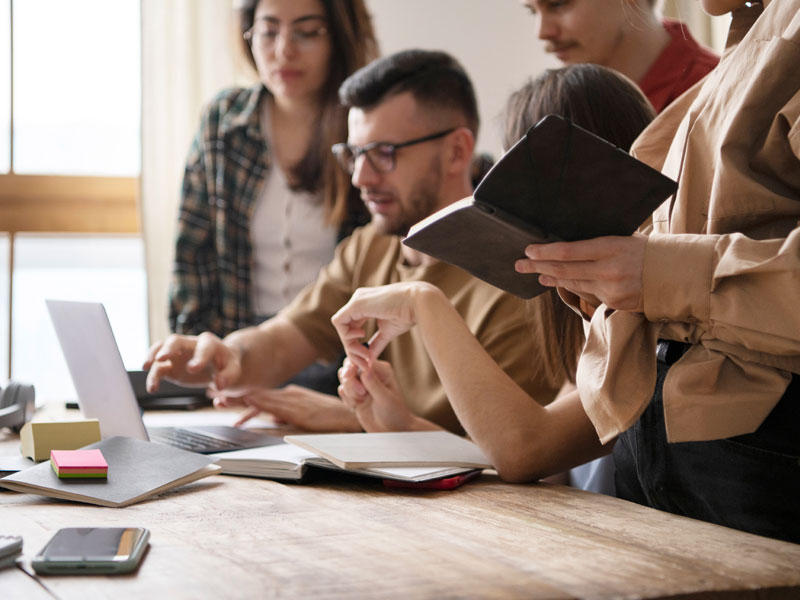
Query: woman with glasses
[{"x": 263, "y": 202}]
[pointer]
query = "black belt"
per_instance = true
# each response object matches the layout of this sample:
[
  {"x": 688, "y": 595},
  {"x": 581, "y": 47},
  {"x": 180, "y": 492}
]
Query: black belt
[{"x": 669, "y": 351}]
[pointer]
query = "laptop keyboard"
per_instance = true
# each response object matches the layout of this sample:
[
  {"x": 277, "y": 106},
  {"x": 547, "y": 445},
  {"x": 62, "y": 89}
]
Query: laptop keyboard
[{"x": 190, "y": 440}]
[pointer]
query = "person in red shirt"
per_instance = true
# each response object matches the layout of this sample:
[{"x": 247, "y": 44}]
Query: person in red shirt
[{"x": 660, "y": 55}]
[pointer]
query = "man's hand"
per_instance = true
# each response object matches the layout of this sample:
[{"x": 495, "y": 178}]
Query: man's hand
[
  {"x": 203, "y": 360},
  {"x": 605, "y": 269},
  {"x": 296, "y": 406},
  {"x": 376, "y": 398}
]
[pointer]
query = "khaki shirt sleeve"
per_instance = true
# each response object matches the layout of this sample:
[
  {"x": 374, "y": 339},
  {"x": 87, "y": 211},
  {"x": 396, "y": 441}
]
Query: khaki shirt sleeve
[{"x": 735, "y": 289}]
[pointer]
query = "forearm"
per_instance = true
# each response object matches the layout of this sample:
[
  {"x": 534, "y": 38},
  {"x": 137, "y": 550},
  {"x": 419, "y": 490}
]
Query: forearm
[
  {"x": 524, "y": 440},
  {"x": 271, "y": 353}
]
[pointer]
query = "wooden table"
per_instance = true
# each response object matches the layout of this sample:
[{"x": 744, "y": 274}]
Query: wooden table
[{"x": 231, "y": 537}]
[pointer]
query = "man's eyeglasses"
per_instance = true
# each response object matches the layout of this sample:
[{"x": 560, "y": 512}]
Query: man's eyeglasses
[
  {"x": 381, "y": 155},
  {"x": 264, "y": 34}
]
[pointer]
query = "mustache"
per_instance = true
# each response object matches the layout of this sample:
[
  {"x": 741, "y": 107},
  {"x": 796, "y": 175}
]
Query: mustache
[{"x": 368, "y": 193}]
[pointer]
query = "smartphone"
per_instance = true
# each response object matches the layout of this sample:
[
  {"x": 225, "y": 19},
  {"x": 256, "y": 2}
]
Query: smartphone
[
  {"x": 10, "y": 549},
  {"x": 92, "y": 550}
]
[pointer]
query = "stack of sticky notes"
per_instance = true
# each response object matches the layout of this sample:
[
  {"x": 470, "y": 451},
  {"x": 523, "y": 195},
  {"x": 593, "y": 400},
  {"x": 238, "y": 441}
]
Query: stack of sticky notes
[{"x": 78, "y": 463}]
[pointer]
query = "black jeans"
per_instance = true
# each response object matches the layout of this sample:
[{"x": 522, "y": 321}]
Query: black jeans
[{"x": 749, "y": 482}]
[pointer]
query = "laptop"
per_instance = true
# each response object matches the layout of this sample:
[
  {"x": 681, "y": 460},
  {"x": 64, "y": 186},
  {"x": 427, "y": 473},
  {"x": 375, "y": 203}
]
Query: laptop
[{"x": 105, "y": 391}]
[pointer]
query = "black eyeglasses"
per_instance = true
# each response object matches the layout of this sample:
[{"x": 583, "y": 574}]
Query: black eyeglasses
[{"x": 381, "y": 155}]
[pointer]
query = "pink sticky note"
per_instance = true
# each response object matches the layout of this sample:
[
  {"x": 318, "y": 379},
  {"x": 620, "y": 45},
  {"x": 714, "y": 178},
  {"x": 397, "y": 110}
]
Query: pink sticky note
[{"x": 86, "y": 461}]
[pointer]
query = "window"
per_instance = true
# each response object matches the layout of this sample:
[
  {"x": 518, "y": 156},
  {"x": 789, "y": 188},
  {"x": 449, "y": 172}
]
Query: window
[
  {"x": 76, "y": 97},
  {"x": 70, "y": 121},
  {"x": 107, "y": 269},
  {"x": 5, "y": 281},
  {"x": 69, "y": 115},
  {"x": 5, "y": 86}
]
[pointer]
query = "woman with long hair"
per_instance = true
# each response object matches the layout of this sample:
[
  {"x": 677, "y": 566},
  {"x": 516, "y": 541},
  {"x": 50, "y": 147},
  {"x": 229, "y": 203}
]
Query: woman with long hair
[{"x": 263, "y": 202}]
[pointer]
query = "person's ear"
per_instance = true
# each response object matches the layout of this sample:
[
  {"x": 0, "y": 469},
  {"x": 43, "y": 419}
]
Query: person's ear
[{"x": 461, "y": 145}]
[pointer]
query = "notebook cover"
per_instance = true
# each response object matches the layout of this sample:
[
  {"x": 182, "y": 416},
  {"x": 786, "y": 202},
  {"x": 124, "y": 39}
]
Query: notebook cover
[
  {"x": 136, "y": 470},
  {"x": 558, "y": 183}
]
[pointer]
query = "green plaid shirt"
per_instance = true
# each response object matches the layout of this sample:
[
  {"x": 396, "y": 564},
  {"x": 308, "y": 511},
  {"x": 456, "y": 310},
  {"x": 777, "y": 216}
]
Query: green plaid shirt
[{"x": 226, "y": 167}]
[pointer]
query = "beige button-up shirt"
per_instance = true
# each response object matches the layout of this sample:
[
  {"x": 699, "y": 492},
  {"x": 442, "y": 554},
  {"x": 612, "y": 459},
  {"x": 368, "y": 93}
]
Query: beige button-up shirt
[{"x": 722, "y": 261}]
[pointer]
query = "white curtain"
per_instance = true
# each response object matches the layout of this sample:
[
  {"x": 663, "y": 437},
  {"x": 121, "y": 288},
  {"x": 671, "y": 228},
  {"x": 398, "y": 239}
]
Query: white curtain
[{"x": 189, "y": 53}]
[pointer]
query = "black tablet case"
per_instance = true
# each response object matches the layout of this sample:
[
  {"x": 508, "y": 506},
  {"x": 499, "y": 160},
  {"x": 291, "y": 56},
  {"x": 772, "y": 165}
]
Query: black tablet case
[{"x": 558, "y": 183}]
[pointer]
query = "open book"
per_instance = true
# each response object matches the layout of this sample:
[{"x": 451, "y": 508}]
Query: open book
[
  {"x": 558, "y": 183},
  {"x": 136, "y": 470},
  {"x": 402, "y": 456}
]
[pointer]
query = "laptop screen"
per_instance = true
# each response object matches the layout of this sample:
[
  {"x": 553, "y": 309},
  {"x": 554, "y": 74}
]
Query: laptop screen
[{"x": 96, "y": 367}]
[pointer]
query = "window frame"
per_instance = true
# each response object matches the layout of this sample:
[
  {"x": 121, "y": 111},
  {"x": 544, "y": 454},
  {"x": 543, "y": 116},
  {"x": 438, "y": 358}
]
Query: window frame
[{"x": 74, "y": 204}]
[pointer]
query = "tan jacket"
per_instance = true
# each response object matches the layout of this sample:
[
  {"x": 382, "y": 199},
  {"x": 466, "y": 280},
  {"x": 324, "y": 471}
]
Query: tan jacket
[{"x": 722, "y": 261}]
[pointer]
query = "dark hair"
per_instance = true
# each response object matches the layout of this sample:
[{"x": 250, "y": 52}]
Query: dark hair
[
  {"x": 609, "y": 105},
  {"x": 434, "y": 78},
  {"x": 353, "y": 45}
]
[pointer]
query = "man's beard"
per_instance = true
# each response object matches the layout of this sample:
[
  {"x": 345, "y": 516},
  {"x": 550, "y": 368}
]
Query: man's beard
[{"x": 422, "y": 201}]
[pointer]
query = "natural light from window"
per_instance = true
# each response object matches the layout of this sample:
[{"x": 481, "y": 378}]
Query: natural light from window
[
  {"x": 107, "y": 269},
  {"x": 76, "y": 87},
  {"x": 4, "y": 281},
  {"x": 5, "y": 85}
]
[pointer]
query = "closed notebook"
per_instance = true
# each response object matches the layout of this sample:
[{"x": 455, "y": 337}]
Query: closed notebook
[
  {"x": 136, "y": 470},
  {"x": 558, "y": 183},
  {"x": 396, "y": 449}
]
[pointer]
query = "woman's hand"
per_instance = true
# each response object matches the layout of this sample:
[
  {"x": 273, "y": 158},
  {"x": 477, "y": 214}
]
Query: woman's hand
[
  {"x": 604, "y": 270},
  {"x": 391, "y": 306},
  {"x": 375, "y": 397}
]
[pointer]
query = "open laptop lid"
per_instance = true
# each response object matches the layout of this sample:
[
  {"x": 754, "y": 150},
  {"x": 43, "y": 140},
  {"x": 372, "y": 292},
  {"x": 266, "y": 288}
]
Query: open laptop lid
[{"x": 96, "y": 367}]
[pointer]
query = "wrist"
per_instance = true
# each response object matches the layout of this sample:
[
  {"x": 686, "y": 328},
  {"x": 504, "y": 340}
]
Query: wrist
[
  {"x": 235, "y": 344},
  {"x": 424, "y": 299}
]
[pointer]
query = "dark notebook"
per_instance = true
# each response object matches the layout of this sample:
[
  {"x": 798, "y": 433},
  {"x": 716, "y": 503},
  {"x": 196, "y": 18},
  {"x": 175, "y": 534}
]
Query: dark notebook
[
  {"x": 136, "y": 470},
  {"x": 558, "y": 183}
]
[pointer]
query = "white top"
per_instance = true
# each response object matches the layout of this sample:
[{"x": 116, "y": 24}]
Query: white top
[{"x": 290, "y": 239}]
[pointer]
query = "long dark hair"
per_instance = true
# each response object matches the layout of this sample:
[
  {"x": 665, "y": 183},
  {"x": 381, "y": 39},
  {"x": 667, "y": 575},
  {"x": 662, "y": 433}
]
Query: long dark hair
[
  {"x": 609, "y": 105},
  {"x": 353, "y": 45}
]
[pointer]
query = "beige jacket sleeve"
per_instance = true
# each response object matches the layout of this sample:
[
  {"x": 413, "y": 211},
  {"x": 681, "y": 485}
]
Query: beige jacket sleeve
[{"x": 731, "y": 288}]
